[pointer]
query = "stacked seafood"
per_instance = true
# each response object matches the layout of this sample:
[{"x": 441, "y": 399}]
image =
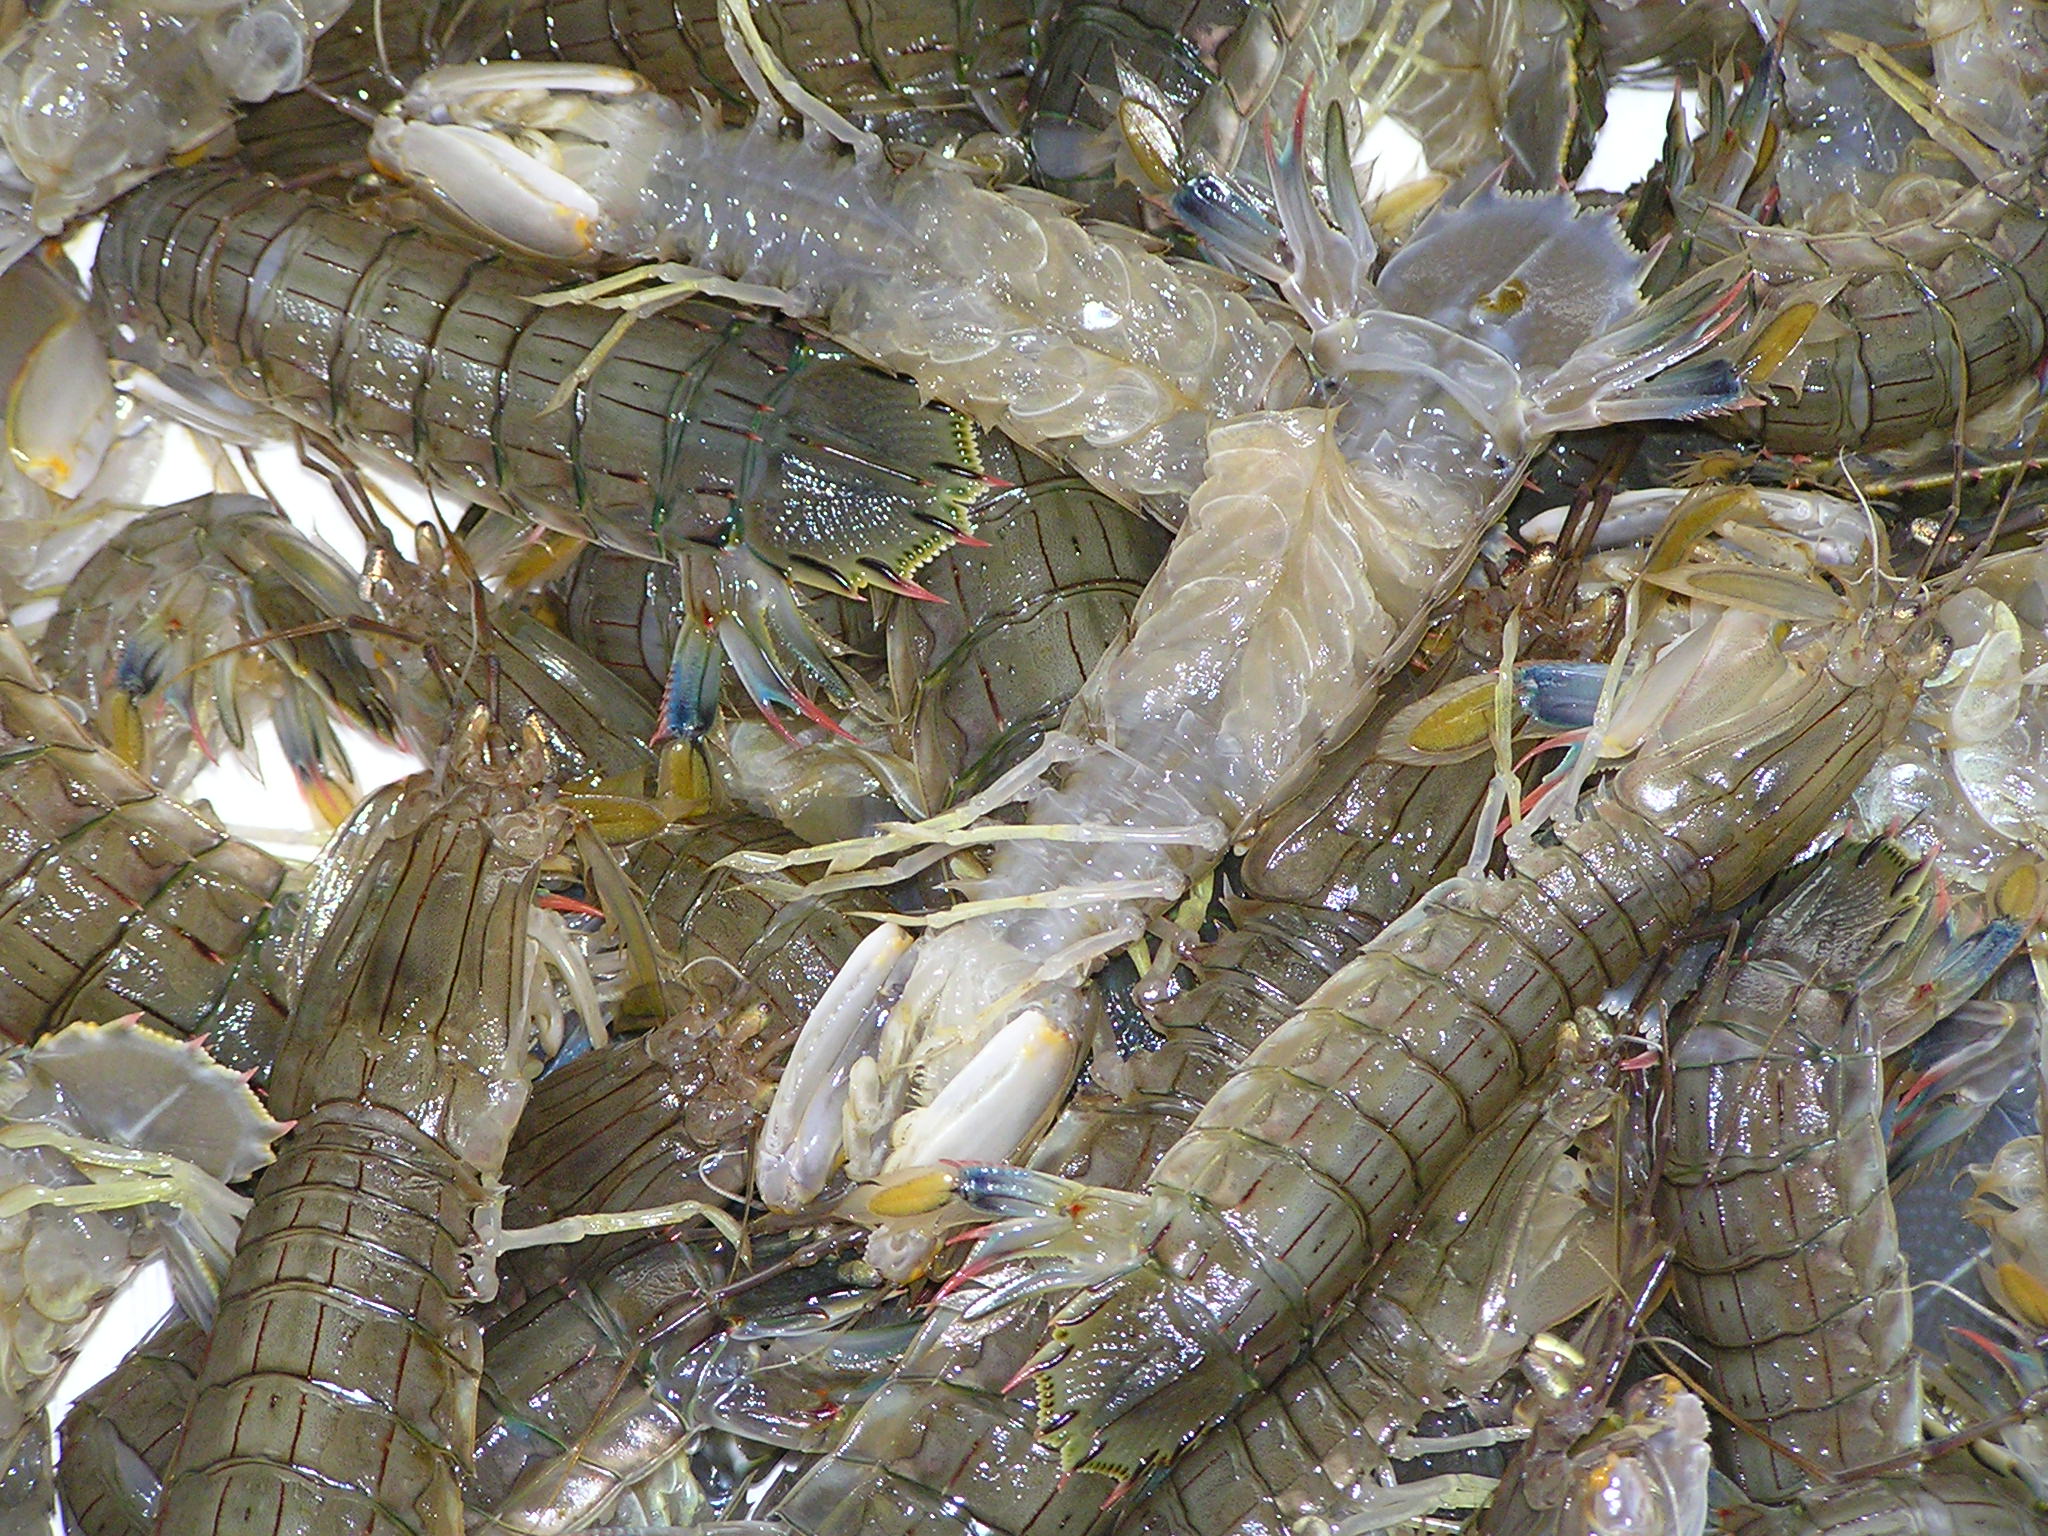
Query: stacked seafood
[{"x": 1109, "y": 837}]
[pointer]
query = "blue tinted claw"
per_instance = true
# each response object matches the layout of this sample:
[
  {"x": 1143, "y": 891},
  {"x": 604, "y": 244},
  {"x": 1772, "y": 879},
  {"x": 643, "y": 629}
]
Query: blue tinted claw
[
  {"x": 689, "y": 700},
  {"x": 1560, "y": 695},
  {"x": 1234, "y": 231}
]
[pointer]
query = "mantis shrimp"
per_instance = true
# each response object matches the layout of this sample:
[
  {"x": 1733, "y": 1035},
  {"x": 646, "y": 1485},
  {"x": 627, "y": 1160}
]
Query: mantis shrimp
[
  {"x": 342, "y": 1369},
  {"x": 1803, "y": 1315},
  {"x": 750, "y": 453}
]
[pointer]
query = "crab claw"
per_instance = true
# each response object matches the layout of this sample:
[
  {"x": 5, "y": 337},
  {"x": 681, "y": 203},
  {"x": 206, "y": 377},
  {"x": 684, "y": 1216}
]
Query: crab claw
[
  {"x": 490, "y": 185},
  {"x": 60, "y": 418},
  {"x": 1005, "y": 1092}
]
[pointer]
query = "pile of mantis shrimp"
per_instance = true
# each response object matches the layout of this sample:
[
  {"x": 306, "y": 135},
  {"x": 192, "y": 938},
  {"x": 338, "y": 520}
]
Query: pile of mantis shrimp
[{"x": 1122, "y": 826}]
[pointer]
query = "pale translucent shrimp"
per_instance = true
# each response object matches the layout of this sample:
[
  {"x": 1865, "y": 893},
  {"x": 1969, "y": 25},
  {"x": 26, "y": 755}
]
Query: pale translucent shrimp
[
  {"x": 76, "y": 457},
  {"x": 940, "y": 1447},
  {"x": 1251, "y": 649},
  {"x": 1381, "y": 827},
  {"x": 1081, "y": 343},
  {"x": 101, "y": 94},
  {"x": 117, "y": 1145}
]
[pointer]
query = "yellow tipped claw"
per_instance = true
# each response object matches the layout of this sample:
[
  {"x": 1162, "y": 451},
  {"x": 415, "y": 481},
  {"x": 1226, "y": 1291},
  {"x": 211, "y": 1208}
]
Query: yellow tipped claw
[
  {"x": 1398, "y": 211},
  {"x": 542, "y": 557},
  {"x": 2025, "y": 1293},
  {"x": 1775, "y": 343},
  {"x": 1458, "y": 718},
  {"x": 684, "y": 787},
  {"x": 120, "y": 723},
  {"x": 917, "y": 1193},
  {"x": 2020, "y": 891},
  {"x": 617, "y": 819},
  {"x": 331, "y": 800},
  {"x": 1154, "y": 146}
]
